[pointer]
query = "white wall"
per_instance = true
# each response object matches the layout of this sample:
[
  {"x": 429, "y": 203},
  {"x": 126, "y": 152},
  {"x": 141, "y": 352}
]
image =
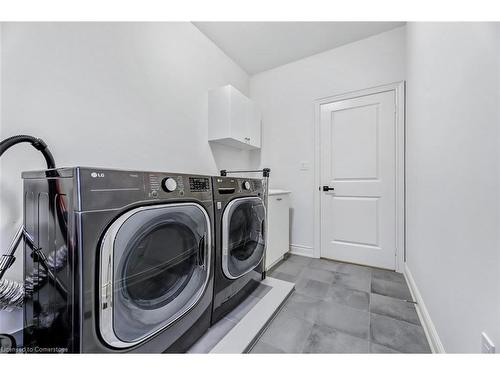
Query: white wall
[
  {"x": 453, "y": 119},
  {"x": 7, "y": 320},
  {"x": 119, "y": 95},
  {"x": 286, "y": 95}
]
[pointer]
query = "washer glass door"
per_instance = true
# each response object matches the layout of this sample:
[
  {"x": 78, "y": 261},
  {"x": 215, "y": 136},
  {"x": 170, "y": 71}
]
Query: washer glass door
[
  {"x": 154, "y": 268},
  {"x": 243, "y": 243}
]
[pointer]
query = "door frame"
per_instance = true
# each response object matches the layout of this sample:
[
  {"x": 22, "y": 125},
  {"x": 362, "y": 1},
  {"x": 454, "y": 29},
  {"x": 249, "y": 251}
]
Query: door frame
[{"x": 399, "y": 90}]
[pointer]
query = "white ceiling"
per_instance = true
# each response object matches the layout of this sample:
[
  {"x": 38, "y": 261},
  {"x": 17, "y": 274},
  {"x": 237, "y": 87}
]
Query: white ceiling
[{"x": 259, "y": 46}]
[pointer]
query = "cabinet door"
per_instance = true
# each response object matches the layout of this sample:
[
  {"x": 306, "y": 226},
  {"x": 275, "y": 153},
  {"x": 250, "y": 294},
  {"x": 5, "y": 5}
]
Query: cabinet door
[
  {"x": 254, "y": 125},
  {"x": 233, "y": 119},
  {"x": 219, "y": 117},
  {"x": 278, "y": 228},
  {"x": 239, "y": 115}
]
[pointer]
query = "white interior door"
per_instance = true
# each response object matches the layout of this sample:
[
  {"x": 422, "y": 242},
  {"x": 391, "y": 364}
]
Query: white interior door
[{"x": 358, "y": 160}]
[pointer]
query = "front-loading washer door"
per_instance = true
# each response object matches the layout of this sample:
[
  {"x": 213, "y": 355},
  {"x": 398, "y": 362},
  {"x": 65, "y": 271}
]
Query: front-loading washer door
[
  {"x": 154, "y": 266},
  {"x": 243, "y": 241}
]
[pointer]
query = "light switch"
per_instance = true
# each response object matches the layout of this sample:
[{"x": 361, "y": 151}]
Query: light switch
[{"x": 304, "y": 165}]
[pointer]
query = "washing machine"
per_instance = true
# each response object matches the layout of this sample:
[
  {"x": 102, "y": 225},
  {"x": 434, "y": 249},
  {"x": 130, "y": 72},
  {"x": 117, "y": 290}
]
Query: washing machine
[
  {"x": 117, "y": 261},
  {"x": 240, "y": 242}
]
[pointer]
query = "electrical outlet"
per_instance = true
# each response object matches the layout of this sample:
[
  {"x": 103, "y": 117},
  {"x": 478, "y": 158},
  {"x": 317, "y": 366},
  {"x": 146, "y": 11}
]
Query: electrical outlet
[{"x": 487, "y": 345}]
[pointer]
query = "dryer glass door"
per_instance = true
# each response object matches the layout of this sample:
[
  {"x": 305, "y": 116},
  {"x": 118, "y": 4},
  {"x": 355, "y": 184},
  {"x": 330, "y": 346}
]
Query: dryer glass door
[
  {"x": 154, "y": 268},
  {"x": 243, "y": 241}
]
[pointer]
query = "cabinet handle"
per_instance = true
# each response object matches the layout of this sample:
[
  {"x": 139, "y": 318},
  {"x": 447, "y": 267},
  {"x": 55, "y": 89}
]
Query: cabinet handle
[{"x": 279, "y": 199}]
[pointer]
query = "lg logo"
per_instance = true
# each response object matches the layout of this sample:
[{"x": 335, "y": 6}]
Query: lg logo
[{"x": 97, "y": 175}]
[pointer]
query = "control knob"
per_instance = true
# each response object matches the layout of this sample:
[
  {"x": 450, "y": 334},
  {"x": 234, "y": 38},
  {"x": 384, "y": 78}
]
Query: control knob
[
  {"x": 246, "y": 185},
  {"x": 168, "y": 184}
]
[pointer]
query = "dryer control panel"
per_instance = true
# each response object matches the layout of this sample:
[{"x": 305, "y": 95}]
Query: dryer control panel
[{"x": 227, "y": 187}]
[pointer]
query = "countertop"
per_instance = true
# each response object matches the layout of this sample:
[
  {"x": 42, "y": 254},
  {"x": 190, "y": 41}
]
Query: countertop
[{"x": 278, "y": 191}]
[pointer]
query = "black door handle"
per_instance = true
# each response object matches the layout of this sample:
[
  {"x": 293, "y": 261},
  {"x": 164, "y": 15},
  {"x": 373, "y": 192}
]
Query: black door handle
[
  {"x": 201, "y": 252},
  {"x": 327, "y": 188}
]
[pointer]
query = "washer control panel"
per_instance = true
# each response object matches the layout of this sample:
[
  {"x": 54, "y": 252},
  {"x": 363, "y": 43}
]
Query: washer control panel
[
  {"x": 168, "y": 184},
  {"x": 154, "y": 184},
  {"x": 199, "y": 184},
  {"x": 163, "y": 185}
]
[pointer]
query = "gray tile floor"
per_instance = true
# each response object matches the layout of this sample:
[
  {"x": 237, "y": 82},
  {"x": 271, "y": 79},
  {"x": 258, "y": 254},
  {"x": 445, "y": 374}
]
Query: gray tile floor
[{"x": 343, "y": 308}]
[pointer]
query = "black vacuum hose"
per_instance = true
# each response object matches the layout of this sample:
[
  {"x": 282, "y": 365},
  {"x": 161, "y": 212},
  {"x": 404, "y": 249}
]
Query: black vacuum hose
[
  {"x": 37, "y": 143},
  {"x": 41, "y": 146},
  {"x": 51, "y": 265}
]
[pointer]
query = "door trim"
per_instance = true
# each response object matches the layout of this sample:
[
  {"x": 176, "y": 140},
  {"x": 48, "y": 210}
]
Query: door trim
[{"x": 399, "y": 90}]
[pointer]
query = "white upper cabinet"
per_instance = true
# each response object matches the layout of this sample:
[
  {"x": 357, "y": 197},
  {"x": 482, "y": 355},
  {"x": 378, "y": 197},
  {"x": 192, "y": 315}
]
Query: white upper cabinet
[{"x": 233, "y": 119}]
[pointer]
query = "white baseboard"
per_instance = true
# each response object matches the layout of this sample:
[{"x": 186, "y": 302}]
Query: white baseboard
[
  {"x": 423, "y": 314},
  {"x": 306, "y": 251}
]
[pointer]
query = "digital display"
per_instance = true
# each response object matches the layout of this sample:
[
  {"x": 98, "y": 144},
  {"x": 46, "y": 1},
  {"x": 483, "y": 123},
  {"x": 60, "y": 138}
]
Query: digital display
[{"x": 199, "y": 184}]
